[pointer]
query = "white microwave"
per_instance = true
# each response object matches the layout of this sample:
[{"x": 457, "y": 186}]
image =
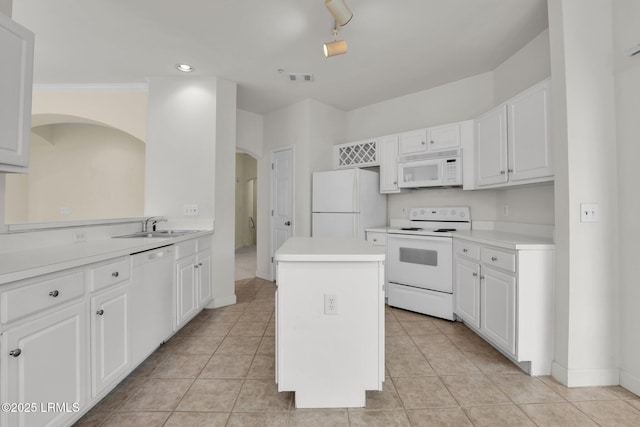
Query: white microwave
[{"x": 439, "y": 169}]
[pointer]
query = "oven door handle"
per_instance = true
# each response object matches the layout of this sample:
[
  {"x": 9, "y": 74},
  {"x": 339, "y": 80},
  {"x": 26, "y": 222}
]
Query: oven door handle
[{"x": 423, "y": 238}]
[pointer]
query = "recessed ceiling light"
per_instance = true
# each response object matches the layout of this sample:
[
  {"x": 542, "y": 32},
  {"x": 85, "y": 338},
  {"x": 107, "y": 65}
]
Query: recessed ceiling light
[{"x": 185, "y": 68}]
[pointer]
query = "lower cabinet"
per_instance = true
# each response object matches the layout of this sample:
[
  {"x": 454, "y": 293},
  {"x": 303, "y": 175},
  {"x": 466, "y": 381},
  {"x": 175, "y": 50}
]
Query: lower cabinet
[
  {"x": 193, "y": 278},
  {"x": 109, "y": 337},
  {"x": 186, "y": 301},
  {"x": 203, "y": 277},
  {"x": 45, "y": 364},
  {"x": 506, "y": 297}
]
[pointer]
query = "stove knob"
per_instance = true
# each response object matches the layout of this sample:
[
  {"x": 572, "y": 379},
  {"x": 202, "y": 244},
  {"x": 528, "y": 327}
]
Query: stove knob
[
  {"x": 462, "y": 214},
  {"x": 422, "y": 211},
  {"x": 453, "y": 212},
  {"x": 414, "y": 213}
]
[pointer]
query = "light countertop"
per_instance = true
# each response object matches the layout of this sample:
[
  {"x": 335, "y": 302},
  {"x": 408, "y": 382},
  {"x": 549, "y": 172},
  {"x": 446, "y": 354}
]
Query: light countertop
[
  {"x": 328, "y": 249},
  {"x": 29, "y": 263},
  {"x": 380, "y": 229},
  {"x": 505, "y": 239}
]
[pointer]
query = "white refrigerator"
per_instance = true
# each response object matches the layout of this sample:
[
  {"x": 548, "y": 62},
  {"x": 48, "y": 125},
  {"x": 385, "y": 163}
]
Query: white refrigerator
[{"x": 346, "y": 202}]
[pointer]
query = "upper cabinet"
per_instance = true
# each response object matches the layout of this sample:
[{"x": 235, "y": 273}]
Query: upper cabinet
[
  {"x": 432, "y": 139},
  {"x": 16, "y": 79},
  {"x": 513, "y": 142},
  {"x": 388, "y": 154}
]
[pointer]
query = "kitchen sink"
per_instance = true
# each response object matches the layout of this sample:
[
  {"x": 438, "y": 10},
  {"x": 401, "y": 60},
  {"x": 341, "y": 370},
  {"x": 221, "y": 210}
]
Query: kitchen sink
[{"x": 158, "y": 233}]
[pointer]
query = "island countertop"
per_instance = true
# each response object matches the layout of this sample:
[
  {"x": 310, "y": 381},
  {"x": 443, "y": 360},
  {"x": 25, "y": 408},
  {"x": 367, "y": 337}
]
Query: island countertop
[{"x": 328, "y": 249}]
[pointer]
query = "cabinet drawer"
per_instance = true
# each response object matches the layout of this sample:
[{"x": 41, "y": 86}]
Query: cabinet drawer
[
  {"x": 204, "y": 243},
  {"x": 467, "y": 250},
  {"x": 186, "y": 248},
  {"x": 377, "y": 239},
  {"x": 499, "y": 259},
  {"x": 109, "y": 274},
  {"x": 28, "y": 299}
]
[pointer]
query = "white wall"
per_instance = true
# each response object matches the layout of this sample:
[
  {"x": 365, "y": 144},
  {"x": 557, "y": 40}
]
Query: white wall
[
  {"x": 5, "y": 7},
  {"x": 583, "y": 109},
  {"x": 627, "y": 72},
  {"x": 249, "y": 133},
  {"x": 246, "y": 170}
]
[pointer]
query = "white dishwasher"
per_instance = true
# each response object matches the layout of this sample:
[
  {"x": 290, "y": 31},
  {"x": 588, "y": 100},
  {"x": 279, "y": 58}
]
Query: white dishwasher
[{"x": 151, "y": 309}]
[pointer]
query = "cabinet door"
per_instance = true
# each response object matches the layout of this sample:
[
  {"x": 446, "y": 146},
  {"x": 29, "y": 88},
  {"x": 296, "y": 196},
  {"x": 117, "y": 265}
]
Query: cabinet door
[
  {"x": 467, "y": 291},
  {"x": 16, "y": 45},
  {"x": 388, "y": 154},
  {"x": 529, "y": 137},
  {"x": 413, "y": 142},
  {"x": 50, "y": 367},
  {"x": 444, "y": 137},
  {"x": 498, "y": 302},
  {"x": 109, "y": 337},
  {"x": 187, "y": 303},
  {"x": 491, "y": 147},
  {"x": 204, "y": 278}
]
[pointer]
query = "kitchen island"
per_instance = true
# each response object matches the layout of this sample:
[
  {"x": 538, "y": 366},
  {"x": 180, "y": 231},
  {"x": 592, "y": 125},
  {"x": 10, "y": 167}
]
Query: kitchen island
[{"x": 329, "y": 321}]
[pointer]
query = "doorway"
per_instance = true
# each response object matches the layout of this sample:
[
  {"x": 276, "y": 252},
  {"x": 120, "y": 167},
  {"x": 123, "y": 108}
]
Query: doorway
[{"x": 245, "y": 216}]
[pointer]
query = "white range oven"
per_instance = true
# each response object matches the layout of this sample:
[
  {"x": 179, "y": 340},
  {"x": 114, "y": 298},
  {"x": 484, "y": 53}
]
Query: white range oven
[{"x": 420, "y": 260}]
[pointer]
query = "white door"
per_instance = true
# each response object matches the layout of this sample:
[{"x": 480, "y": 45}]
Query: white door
[
  {"x": 498, "y": 309},
  {"x": 467, "y": 292},
  {"x": 335, "y": 191},
  {"x": 491, "y": 147},
  {"x": 335, "y": 225},
  {"x": 413, "y": 142},
  {"x": 444, "y": 137},
  {"x": 282, "y": 199},
  {"x": 388, "y": 154}
]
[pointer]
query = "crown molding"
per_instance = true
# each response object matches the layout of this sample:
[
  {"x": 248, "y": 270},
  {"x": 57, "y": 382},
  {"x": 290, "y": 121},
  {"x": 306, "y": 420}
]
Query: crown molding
[{"x": 91, "y": 86}]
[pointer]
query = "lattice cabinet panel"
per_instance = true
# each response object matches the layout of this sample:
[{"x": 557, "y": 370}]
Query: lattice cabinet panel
[{"x": 356, "y": 154}]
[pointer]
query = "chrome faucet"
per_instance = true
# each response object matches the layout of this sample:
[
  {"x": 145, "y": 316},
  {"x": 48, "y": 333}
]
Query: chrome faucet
[{"x": 153, "y": 220}]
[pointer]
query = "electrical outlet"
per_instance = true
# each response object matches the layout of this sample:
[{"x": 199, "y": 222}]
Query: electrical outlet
[
  {"x": 190, "y": 210},
  {"x": 589, "y": 212},
  {"x": 65, "y": 210},
  {"x": 330, "y": 304},
  {"x": 79, "y": 236}
]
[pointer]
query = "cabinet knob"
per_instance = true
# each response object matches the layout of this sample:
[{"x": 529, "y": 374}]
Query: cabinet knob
[
  {"x": 115, "y": 274},
  {"x": 475, "y": 274},
  {"x": 481, "y": 277},
  {"x": 375, "y": 240},
  {"x": 432, "y": 142},
  {"x": 510, "y": 170},
  {"x": 288, "y": 223},
  {"x": 424, "y": 142},
  {"x": 54, "y": 293},
  {"x": 502, "y": 172},
  {"x": 199, "y": 264},
  {"x": 395, "y": 182},
  {"x": 465, "y": 250},
  {"x": 195, "y": 266},
  {"x": 15, "y": 353},
  {"x": 100, "y": 312},
  {"x": 494, "y": 258}
]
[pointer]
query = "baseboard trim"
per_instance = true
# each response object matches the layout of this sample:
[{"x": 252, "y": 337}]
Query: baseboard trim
[
  {"x": 630, "y": 382},
  {"x": 265, "y": 275},
  {"x": 585, "y": 377},
  {"x": 222, "y": 301}
]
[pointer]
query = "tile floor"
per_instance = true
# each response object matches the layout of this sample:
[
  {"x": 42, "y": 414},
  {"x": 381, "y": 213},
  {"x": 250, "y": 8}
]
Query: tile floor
[{"x": 219, "y": 371}]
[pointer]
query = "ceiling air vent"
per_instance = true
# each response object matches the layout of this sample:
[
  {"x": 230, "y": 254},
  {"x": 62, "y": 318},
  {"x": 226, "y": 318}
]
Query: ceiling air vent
[{"x": 300, "y": 77}]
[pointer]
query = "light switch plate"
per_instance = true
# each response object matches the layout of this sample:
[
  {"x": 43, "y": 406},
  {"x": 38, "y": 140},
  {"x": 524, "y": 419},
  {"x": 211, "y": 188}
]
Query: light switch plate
[{"x": 589, "y": 212}]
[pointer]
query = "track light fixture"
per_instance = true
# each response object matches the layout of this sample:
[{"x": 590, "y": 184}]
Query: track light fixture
[
  {"x": 340, "y": 11},
  {"x": 336, "y": 47}
]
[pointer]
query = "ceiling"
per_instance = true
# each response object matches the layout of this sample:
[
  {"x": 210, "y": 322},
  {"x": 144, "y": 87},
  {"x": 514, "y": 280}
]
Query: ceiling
[{"x": 395, "y": 47}]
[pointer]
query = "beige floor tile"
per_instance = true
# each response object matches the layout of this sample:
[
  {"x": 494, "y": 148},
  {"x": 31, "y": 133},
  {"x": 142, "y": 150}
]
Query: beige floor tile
[
  {"x": 498, "y": 416},
  {"x": 262, "y": 305},
  {"x": 263, "y": 367},
  {"x": 197, "y": 419},
  {"x": 157, "y": 394},
  {"x": 267, "y": 346},
  {"x": 408, "y": 316},
  {"x": 444, "y": 417},
  {"x": 522, "y": 388},
  {"x": 386, "y": 399},
  {"x": 423, "y": 392},
  {"x": 151, "y": 363},
  {"x": 319, "y": 418},
  {"x": 451, "y": 328},
  {"x": 227, "y": 366},
  {"x": 199, "y": 345},
  {"x": 262, "y": 396},
  {"x": 181, "y": 366},
  {"x": 137, "y": 419},
  {"x": 452, "y": 363},
  {"x": 612, "y": 413},
  {"x": 239, "y": 345},
  {"x": 579, "y": 394},
  {"x": 378, "y": 419},
  {"x": 271, "y": 329},
  {"x": 621, "y": 393},
  {"x": 434, "y": 344},
  {"x": 93, "y": 418},
  {"x": 393, "y": 328},
  {"x": 189, "y": 328},
  {"x": 213, "y": 329},
  {"x": 491, "y": 361},
  {"x": 634, "y": 402},
  {"x": 408, "y": 365},
  {"x": 248, "y": 329},
  {"x": 420, "y": 327},
  {"x": 474, "y": 390},
  {"x": 210, "y": 396},
  {"x": 469, "y": 342},
  {"x": 256, "y": 316},
  {"x": 258, "y": 419},
  {"x": 225, "y": 316},
  {"x": 400, "y": 344},
  {"x": 556, "y": 415},
  {"x": 122, "y": 392}
]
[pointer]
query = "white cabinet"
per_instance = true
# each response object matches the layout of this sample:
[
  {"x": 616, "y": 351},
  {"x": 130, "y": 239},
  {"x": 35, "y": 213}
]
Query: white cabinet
[
  {"x": 506, "y": 297},
  {"x": 359, "y": 154},
  {"x": 193, "y": 278},
  {"x": 388, "y": 154},
  {"x": 16, "y": 75},
  {"x": 110, "y": 355},
  {"x": 44, "y": 360},
  {"x": 435, "y": 138},
  {"x": 377, "y": 238},
  {"x": 513, "y": 141}
]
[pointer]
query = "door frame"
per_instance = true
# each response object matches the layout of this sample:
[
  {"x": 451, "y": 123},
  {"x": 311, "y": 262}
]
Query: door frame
[{"x": 272, "y": 153}]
